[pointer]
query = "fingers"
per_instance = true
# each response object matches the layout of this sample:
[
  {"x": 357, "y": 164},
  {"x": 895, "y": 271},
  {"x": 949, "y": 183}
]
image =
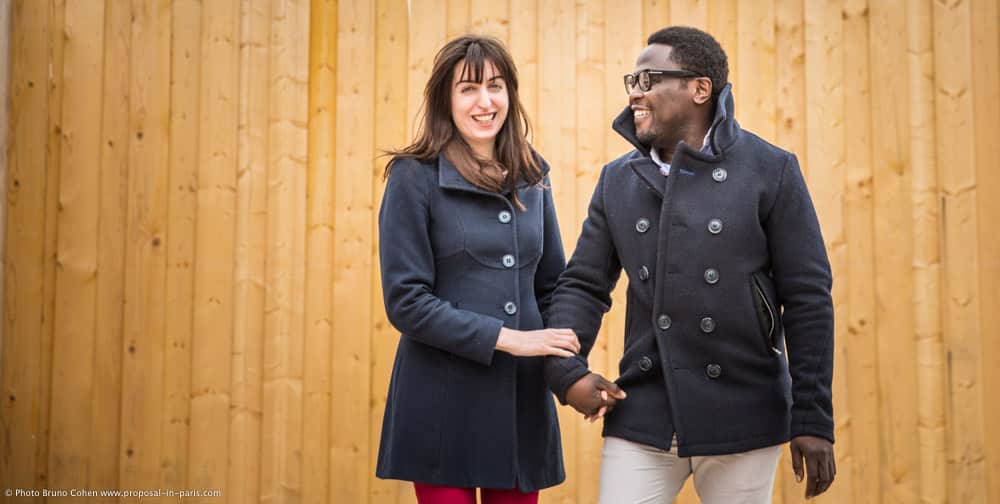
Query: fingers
[
  {"x": 797, "y": 462},
  {"x": 605, "y": 385},
  {"x": 824, "y": 476},
  {"x": 558, "y": 352},
  {"x": 562, "y": 338},
  {"x": 812, "y": 476}
]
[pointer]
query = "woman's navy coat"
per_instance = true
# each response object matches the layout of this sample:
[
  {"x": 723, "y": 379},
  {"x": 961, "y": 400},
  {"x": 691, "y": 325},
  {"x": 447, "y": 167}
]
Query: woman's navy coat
[
  {"x": 726, "y": 266},
  {"x": 459, "y": 262}
]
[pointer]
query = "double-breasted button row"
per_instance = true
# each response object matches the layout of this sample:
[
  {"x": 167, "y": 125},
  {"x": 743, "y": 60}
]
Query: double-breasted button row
[
  {"x": 645, "y": 363},
  {"x": 510, "y": 308},
  {"x": 642, "y": 225},
  {"x": 504, "y": 217},
  {"x": 663, "y": 322},
  {"x": 508, "y": 260}
]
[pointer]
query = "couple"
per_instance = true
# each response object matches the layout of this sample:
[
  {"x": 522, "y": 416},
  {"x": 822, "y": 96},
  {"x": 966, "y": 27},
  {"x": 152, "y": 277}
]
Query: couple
[{"x": 727, "y": 268}]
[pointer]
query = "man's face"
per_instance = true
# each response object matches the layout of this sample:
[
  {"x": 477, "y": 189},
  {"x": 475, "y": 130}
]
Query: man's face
[{"x": 662, "y": 113}]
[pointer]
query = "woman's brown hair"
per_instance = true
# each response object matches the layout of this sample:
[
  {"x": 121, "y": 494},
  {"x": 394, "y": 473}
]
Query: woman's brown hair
[{"x": 513, "y": 159}]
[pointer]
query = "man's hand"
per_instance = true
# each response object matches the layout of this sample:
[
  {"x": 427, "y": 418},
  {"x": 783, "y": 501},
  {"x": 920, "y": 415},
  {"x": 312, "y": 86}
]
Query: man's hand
[
  {"x": 593, "y": 395},
  {"x": 820, "y": 465}
]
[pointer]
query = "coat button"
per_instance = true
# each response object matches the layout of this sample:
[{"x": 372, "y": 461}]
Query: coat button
[
  {"x": 643, "y": 273},
  {"x": 707, "y": 324},
  {"x": 642, "y": 225},
  {"x": 645, "y": 363},
  {"x": 712, "y": 275},
  {"x": 715, "y": 226},
  {"x": 510, "y": 308},
  {"x": 713, "y": 371},
  {"x": 663, "y": 322},
  {"x": 508, "y": 260},
  {"x": 503, "y": 217},
  {"x": 720, "y": 174}
]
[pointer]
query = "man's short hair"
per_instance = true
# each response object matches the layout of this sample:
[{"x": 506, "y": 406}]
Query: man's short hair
[{"x": 695, "y": 51}]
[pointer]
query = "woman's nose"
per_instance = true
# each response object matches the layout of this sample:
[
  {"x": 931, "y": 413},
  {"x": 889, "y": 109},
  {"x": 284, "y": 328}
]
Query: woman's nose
[{"x": 484, "y": 97}]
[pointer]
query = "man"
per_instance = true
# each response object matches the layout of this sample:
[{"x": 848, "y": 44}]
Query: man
[{"x": 719, "y": 238}]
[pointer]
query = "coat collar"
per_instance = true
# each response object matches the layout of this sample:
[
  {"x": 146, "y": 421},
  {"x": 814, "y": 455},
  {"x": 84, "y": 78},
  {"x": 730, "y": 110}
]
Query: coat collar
[
  {"x": 725, "y": 129},
  {"x": 450, "y": 178}
]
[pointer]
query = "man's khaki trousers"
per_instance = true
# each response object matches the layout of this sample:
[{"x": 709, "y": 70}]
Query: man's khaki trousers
[{"x": 637, "y": 473}]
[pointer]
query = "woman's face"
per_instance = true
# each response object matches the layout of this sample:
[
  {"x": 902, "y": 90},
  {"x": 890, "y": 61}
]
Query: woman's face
[{"x": 479, "y": 109}]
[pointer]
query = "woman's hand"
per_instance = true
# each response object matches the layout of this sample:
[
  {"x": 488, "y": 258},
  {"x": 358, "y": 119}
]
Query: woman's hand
[{"x": 561, "y": 342}]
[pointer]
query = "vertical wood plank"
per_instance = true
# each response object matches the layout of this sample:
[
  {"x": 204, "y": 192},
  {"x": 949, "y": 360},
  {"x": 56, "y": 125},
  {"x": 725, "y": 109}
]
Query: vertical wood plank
[
  {"x": 490, "y": 17},
  {"x": 693, "y": 13},
  {"x": 112, "y": 227},
  {"x": 655, "y": 15},
  {"x": 76, "y": 249},
  {"x": 426, "y": 35},
  {"x": 24, "y": 272},
  {"x": 390, "y": 104},
  {"x": 790, "y": 134},
  {"x": 145, "y": 261},
  {"x": 212, "y": 344},
  {"x": 556, "y": 141},
  {"x": 319, "y": 314},
  {"x": 857, "y": 451},
  {"x": 354, "y": 218},
  {"x": 790, "y": 109},
  {"x": 962, "y": 337},
  {"x": 53, "y": 168},
  {"x": 182, "y": 210},
  {"x": 281, "y": 468},
  {"x": 926, "y": 204},
  {"x": 523, "y": 48},
  {"x": 824, "y": 66},
  {"x": 985, "y": 17},
  {"x": 5, "y": 29},
  {"x": 457, "y": 20},
  {"x": 591, "y": 129},
  {"x": 893, "y": 252},
  {"x": 756, "y": 79},
  {"x": 722, "y": 24},
  {"x": 250, "y": 252},
  {"x": 619, "y": 54}
]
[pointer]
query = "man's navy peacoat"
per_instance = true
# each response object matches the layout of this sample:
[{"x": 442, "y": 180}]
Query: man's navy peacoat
[
  {"x": 459, "y": 262},
  {"x": 726, "y": 266}
]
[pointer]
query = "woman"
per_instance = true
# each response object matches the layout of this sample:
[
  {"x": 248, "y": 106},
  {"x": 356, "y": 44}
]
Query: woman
[{"x": 470, "y": 252}]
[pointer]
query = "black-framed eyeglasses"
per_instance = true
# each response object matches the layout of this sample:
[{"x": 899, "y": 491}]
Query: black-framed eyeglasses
[{"x": 644, "y": 78}]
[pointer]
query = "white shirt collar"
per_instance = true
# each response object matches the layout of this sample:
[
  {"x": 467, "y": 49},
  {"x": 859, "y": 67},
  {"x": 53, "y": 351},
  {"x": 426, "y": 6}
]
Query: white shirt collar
[{"x": 706, "y": 147}]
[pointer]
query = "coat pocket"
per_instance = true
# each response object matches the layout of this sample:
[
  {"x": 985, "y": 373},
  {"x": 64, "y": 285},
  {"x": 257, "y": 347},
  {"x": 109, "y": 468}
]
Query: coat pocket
[{"x": 767, "y": 313}]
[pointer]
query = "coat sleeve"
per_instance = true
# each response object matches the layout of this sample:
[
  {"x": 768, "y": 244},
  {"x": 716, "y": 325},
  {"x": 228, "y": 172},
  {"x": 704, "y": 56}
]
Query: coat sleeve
[
  {"x": 408, "y": 271},
  {"x": 583, "y": 294},
  {"x": 553, "y": 260},
  {"x": 803, "y": 282}
]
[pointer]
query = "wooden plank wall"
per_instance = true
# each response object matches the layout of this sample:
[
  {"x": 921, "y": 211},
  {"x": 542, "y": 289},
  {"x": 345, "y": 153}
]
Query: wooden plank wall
[{"x": 190, "y": 284}]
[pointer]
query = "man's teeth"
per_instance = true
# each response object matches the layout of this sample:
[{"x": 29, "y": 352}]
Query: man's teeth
[
  {"x": 485, "y": 118},
  {"x": 639, "y": 114}
]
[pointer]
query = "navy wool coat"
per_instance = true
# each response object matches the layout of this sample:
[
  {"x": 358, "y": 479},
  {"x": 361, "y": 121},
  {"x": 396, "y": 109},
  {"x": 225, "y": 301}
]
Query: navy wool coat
[
  {"x": 458, "y": 262},
  {"x": 726, "y": 267}
]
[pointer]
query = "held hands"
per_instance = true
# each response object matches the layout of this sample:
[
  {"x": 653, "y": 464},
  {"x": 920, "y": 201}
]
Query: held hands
[
  {"x": 594, "y": 396},
  {"x": 820, "y": 464},
  {"x": 561, "y": 342}
]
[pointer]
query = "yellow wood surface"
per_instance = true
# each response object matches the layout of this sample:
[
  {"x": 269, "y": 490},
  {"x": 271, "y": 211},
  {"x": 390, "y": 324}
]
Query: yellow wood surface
[{"x": 192, "y": 298}]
